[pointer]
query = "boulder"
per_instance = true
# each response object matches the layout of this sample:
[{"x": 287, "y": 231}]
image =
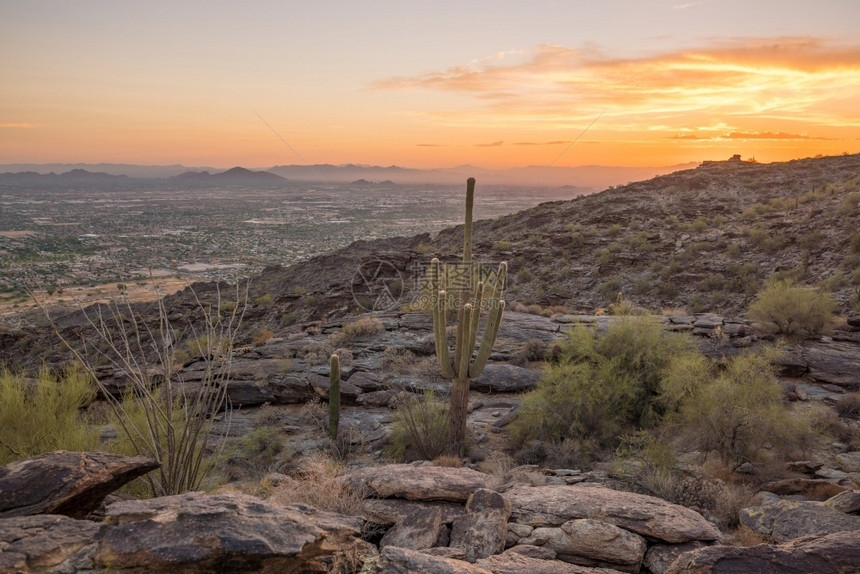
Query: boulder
[
  {"x": 69, "y": 483},
  {"x": 592, "y": 542},
  {"x": 394, "y": 560},
  {"x": 417, "y": 482},
  {"x": 512, "y": 562},
  {"x": 808, "y": 488},
  {"x": 417, "y": 530},
  {"x": 788, "y": 519},
  {"x": 40, "y": 543},
  {"x": 849, "y": 461},
  {"x": 847, "y": 501},
  {"x": 834, "y": 362},
  {"x": 195, "y": 532},
  {"x": 837, "y": 553},
  {"x": 503, "y": 378},
  {"x": 659, "y": 557},
  {"x": 484, "y": 528},
  {"x": 648, "y": 516}
]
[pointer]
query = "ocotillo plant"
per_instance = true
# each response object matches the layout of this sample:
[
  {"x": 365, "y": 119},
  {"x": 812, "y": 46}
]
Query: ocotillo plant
[
  {"x": 334, "y": 396},
  {"x": 470, "y": 299}
]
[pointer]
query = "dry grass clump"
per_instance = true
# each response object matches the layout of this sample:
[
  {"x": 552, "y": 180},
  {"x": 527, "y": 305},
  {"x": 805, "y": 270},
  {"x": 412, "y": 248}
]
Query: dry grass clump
[
  {"x": 420, "y": 428},
  {"x": 350, "y": 332},
  {"x": 397, "y": 359},
  {"x": 319, "y": 482},
  {"x": 317, "y": 353}
]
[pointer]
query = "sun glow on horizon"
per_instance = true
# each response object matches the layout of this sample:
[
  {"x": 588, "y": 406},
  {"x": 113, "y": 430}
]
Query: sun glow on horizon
[{"x": 120, "y": 98}]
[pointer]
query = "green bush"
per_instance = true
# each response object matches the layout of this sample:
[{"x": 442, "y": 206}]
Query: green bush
[
  {"x": 602, "y": 384},
  {"x": 793, "y": 311},
  {"x": 739, "y": 413},
  {"x": 44, "y": 414}
]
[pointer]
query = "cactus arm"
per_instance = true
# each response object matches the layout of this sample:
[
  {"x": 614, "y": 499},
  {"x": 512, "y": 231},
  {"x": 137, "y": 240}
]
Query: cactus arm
[
  {"x": 476, "y": 319},
  {"x": 491, "y": 331},
  {"x": 334, "y": 396},
  {"x": 465, "y": 355},
  {"x": 440, "y": 332}
]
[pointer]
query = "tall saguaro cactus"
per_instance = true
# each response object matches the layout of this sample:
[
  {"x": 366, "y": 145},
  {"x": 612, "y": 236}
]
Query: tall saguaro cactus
[{"x": 470, "y": 298}]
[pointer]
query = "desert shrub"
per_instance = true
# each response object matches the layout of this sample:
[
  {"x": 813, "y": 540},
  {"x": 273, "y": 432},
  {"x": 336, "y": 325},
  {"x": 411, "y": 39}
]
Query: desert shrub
[
  {"x": 261, "y": 336},
  {"x": 833, "y": 283},
  {"x": 316, "y": 353},
  {"x": 740, "y": 413},
  {"x": 524, "y": 276},
  {"x": 849, "y": 406},
  {"x": 44, "y": 414},
  {"x": 610, "y": 288},
  {"x": 264, "y": 300},
  {"x": 256, "y": 453},
  {"x": 502, "y": 245},
  {"x": 793, "y": 311},
  {"x": 601, "y": 385},
  {"x": 420, "y": 427},
  {"x": 397, "y": 359}
]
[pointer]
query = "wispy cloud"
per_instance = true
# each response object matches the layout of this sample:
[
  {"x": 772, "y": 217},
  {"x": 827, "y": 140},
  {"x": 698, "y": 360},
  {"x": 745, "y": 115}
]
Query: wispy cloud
[
  {"x": 689, "y": 5},
  {"x": 798, "y": 79},
  {"x": 493, "y": 144},
  {"x": 559, "y": 142},
  {"x": 431, "y": 145},
  {"x": 749, "y": 136},
  {"x": 16, "y": 125}
]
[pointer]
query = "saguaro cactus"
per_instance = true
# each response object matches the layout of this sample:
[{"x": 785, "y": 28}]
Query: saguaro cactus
[
  {"x": 470, "y": 298},
  {"x": 334, "y": 396}
]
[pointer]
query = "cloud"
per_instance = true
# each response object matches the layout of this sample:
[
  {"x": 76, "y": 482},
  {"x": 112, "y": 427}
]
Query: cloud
[
  {"x": 689, "y": 5},
  {"x": 806, "y": 80},
  {"x": 16, "y": 125},
  {"x": 431, "y": 145},
  {"x": 494, "y": 144},
  {"x": 559, "y": 142},
  {"x": 750, "y": 136}
]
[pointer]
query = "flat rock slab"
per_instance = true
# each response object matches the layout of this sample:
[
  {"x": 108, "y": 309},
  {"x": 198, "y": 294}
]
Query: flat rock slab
[
  {"x": 197, "y": 532},
  {"x": 788, "y": 519},
  {"x": 594, "y": 540},
  {"x": 69, "y": 483},
  {"x": 505, "y": 378},
  {"x": 39, "y": 543},
  {"x": 837, "y": 553},
  {"x": 417, "y": 482},
  {"x": 511, "y": 562},
  {"x": 387, "y": 511},
  {"x": 835, "y": 362},
  {"x": 394, "y": 560},
  {"x": 651, "y": 517}
]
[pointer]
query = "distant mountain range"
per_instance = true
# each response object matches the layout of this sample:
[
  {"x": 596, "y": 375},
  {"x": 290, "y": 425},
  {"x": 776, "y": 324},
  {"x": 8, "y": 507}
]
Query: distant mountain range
[
  {"x": 592, "y": 177},
  {"x": 237, "y": 176}
]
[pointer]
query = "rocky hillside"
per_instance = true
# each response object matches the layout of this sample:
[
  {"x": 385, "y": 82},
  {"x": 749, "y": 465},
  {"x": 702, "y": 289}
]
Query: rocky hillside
[{"x": 703, "y": 239}]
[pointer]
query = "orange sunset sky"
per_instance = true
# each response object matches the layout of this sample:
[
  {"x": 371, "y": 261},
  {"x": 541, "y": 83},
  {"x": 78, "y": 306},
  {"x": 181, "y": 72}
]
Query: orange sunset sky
[{"x": 427, "y": 84}]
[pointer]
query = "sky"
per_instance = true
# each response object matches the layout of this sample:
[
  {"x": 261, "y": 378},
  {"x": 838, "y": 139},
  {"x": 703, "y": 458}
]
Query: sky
[{"x": 427, "y": 84}]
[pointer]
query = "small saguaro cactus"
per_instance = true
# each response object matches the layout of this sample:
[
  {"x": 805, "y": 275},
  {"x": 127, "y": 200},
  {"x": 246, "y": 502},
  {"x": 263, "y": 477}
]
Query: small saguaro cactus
[
  {"x": 334, "y": 396},
  {"x": 470, "y": 299}
]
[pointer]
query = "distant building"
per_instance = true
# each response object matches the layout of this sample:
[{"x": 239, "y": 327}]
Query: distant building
[{"x": 736, "y": 157}]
